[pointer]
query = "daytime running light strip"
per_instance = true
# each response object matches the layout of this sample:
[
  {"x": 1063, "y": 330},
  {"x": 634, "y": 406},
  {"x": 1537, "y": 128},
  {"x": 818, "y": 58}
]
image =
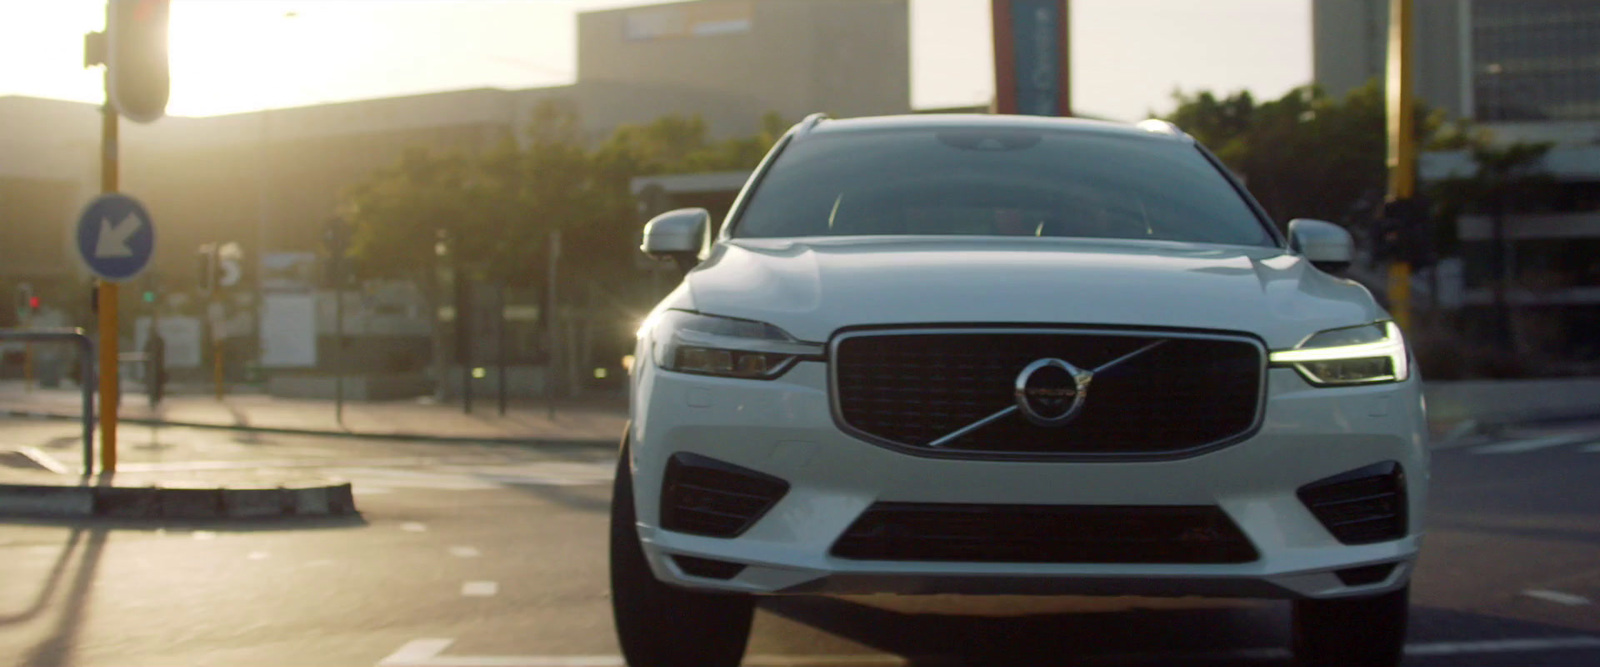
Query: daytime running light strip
[{"x": 1390, "y": 346}]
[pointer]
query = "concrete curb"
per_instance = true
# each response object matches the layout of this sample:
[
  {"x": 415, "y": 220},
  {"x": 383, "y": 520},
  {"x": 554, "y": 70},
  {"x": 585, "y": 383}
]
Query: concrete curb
[
  {"x": 182, "y": 501},
  {"x": 419, "y": 437}
]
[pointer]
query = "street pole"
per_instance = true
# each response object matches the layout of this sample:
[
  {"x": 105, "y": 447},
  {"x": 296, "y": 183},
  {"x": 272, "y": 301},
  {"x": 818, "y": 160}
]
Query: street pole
[
  {"x": 1032, "y": 57},
  {"x": 1402, "y": 158},
  {"x": 500, "y": 343},
  {"x": 110, "y": 391},
  {"x": 216, "y": 344},
  {"x": 550, "y": 323},
  {"x": 463, "y": 331},
  {"x": 338, "y": 339},
  {"x": 27, "y": 350}
]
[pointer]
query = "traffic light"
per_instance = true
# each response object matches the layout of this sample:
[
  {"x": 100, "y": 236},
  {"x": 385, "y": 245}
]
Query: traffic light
[
  {"x": 33, "y": 304},
  {"x": 1402, "y": 233},
  {"x": 149, "y": 296},
  {"x": 136, "y": 56}
]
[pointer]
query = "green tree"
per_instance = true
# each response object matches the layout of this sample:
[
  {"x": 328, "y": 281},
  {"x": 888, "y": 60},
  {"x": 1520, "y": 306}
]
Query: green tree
[
  {"x": 1505, "y": 178},
  {"x": 494, "y": 212},
  {"x": 1308, "y": 154}
]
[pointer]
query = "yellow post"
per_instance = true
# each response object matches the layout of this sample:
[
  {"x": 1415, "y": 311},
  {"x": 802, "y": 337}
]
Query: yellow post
[
  {"x": 109, "y": 387},
  {"x": 1402, "y": 156}
]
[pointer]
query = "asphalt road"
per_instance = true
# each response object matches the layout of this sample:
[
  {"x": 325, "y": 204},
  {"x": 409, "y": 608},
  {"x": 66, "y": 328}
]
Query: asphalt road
[{"x": 493, "y": 556}]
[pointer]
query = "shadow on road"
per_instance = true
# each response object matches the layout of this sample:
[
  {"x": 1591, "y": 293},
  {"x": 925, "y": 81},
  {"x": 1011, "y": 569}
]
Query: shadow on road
[
  {"x": 47, "y": 588},
  {"x": 1233, "y": 636},
  {"x": 56, "y": 650},
  {"x": 936, "y": 638}
]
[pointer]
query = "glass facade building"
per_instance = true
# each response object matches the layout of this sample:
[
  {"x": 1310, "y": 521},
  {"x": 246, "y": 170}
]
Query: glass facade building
[{"x": 1536, "y": 60}]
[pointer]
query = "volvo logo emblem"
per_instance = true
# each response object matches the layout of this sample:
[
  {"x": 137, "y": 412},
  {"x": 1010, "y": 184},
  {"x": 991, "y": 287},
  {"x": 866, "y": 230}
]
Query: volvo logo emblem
[{"x": 1050, "y": 392}]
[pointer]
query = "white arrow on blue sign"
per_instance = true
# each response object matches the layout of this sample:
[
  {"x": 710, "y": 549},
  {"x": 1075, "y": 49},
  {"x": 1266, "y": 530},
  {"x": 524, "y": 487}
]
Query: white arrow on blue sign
[{"x": 116, "y": 237}]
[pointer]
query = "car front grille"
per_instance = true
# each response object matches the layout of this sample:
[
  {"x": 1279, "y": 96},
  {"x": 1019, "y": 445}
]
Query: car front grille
[
  {"x": 1044, "y": 534},
  {"x": 911, "y": 388}
]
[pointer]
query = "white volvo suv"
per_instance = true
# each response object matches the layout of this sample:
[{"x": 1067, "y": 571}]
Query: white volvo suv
[{"x": 1009, "y": 355}]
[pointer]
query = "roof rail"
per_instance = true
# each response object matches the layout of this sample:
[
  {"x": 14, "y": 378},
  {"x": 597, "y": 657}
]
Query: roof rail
[
  {"x": 1159, "y": 126},
  {"x": 810, "y": 123}
]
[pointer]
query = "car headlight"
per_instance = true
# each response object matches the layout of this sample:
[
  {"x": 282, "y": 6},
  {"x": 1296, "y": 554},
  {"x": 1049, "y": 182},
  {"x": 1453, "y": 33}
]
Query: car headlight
[
  {"x": 708, "y": 345},
  {"x": 1366, "y": 354}
]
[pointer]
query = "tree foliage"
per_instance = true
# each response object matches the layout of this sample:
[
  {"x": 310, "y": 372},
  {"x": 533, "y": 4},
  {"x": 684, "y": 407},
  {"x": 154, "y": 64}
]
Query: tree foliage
[
  {"x": 1308, "y": 154},
  {"x": 495, "y": 210}
]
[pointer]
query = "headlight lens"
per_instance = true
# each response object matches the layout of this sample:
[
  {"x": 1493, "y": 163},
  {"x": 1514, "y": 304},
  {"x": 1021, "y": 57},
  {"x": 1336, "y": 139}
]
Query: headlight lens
[
  {"x": 1366, "y": 354},
  {"x": 707, "y": 345}
]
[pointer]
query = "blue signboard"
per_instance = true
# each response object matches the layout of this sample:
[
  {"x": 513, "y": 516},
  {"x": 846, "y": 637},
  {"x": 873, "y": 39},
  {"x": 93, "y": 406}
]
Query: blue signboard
[
  {"x": 1036, "y": 29},
  {"x": 115, "y": 237}
]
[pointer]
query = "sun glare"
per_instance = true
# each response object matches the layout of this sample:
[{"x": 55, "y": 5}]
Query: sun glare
[{"x": 228, "y": 57}]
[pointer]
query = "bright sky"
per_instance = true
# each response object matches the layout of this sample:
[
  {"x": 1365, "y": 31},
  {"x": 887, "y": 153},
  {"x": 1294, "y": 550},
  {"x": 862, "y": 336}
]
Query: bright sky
[{"x": 240, "y": 55}]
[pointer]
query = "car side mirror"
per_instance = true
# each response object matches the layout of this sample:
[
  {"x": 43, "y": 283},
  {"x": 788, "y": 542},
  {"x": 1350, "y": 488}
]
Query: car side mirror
[
  {"x": 683, "y": 235},
  {"x": 1326, "y": 245}
]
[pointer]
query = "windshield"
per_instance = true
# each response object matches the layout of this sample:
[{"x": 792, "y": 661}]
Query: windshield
[{"x": 998, "y": 182}]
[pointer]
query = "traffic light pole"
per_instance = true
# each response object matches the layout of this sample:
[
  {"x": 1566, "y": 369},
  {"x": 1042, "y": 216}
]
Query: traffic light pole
[
  {"x": 109, "y": 387},
  {"x": 1402, "y": 144}
]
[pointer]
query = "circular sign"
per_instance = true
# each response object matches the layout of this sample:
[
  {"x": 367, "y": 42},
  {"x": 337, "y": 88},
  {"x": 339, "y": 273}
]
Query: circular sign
[
  {"x": 115, "y": 237},
  {"x": 1050, "y": 392}
]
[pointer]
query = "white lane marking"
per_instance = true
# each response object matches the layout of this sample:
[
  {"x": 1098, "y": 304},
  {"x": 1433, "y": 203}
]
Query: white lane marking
[
  {"x": 413, "y": 527},
  {"x": 1557, "y": 597},
  {"x": 465, "y": 552},
  {"x": 204, "y": 535},
  {"x": 363, "y": 490},
  {"x": 425, "y": 653},
  {"x": 46, "y": 461},
  {"x": 1534, "y": 444},
  {"x": 1591, "y": 449},
  {"x": 417, "y": 652},
  {"x": 258, "y": 555},
  {"x": 480, "y": 589}
]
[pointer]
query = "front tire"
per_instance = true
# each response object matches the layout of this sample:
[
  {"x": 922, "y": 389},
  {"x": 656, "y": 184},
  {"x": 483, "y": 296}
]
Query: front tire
[
  {"x": 660, "y": 625},
  {"x": 1352, "y": 632}
]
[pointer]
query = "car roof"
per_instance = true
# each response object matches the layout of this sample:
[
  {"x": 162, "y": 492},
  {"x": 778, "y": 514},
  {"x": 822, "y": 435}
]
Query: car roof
[{"x": 1150, "y": 129}]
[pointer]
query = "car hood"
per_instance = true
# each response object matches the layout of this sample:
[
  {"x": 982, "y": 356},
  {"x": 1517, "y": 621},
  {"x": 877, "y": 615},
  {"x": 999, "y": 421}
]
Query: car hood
[{"x": 813, "y": 287}]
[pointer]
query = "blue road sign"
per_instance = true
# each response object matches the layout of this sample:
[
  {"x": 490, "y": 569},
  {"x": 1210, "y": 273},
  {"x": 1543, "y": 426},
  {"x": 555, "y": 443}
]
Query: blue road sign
[{"x": 116, "y": 237}]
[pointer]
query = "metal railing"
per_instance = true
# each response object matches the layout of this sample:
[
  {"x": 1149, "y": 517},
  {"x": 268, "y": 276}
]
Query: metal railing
[{"x": 86, "y": 361}]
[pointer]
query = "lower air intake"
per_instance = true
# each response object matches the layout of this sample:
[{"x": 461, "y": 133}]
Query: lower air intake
[
  {"x": 1361, "y": 506},
  {"x": 1044, "y": 534},
  {"x": 704, "y": 496}
]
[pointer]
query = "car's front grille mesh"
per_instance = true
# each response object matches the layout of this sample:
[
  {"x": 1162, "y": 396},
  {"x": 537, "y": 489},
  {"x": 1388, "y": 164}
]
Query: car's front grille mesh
[
  {"x": 913, "y": 388},
  {"x": 1044, "y": 534}
]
